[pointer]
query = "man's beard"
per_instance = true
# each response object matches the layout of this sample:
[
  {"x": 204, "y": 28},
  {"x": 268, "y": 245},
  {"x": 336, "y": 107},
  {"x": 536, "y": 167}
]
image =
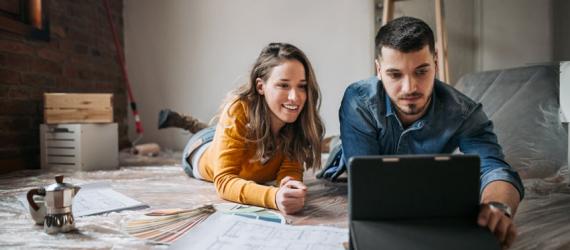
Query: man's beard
[{"x": 412, "y": 109}]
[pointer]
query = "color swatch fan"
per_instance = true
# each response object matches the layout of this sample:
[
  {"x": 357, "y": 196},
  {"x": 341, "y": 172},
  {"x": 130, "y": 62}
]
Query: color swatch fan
[{"x": 167, "y": 225}]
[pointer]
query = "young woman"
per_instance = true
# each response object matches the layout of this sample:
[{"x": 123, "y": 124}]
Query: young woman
[{"x": 269, "y": 130}]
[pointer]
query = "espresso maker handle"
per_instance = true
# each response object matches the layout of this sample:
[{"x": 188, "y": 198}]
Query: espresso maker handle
[{"x": 30, "y": 196}]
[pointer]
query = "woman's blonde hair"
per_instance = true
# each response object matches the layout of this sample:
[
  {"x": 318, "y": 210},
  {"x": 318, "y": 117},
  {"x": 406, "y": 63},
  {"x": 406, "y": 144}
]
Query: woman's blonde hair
[{"x": 300, "y": 140}]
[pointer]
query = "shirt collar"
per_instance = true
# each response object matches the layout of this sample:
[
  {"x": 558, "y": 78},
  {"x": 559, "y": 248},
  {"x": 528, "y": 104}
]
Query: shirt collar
[{"x": 420, "y": 122}]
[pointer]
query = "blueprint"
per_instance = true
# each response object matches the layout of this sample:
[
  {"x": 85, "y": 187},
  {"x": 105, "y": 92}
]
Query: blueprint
[
  {"x": 222, "y": 231},
  {"x": 97, "y": 198}
]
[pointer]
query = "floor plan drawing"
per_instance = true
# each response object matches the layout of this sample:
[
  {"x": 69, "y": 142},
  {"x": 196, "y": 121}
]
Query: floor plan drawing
[{"x": 222, "y": 231}]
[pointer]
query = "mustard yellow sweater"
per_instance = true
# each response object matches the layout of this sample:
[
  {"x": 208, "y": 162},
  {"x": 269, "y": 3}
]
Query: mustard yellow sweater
[{"x": 228, "y": 163}]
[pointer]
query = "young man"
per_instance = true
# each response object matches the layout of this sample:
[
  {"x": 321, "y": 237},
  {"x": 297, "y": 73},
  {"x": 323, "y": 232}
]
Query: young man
[{"x": 405, "y": 110}]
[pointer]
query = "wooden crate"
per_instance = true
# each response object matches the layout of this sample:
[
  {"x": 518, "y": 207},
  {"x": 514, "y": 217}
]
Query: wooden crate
[
  {"x": 80, "y": 147},
  {"x": 77, "y": 108}
]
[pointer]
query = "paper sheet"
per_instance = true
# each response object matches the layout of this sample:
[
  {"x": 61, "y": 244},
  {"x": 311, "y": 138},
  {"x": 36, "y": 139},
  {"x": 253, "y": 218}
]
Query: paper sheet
[
  {"x": 222, "y": 231},
  {"x": 97, "y": 198}
]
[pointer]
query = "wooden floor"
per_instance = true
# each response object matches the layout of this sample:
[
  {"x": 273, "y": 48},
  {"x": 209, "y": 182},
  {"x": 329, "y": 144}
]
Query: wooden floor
[{"x": 543, "y": 219}]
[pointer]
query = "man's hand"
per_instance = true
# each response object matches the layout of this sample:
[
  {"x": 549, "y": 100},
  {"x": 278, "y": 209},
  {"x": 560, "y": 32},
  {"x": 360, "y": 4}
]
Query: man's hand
[
  {"x": 494, "y": 218},
  {"x": 498, "y": 223},
  {"x": 290, "y": 197}
]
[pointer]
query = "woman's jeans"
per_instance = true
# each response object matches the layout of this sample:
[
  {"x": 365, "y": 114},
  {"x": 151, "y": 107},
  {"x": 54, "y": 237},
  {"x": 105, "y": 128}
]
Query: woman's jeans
[{"x": 195, "y": 142}]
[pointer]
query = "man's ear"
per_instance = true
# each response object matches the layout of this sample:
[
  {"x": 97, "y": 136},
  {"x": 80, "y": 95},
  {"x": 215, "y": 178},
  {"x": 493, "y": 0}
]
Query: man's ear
[
  {"x": 259, "y": 86},
  {"x": 436, "y": 62},
  {"x": 377, "y": 63}
]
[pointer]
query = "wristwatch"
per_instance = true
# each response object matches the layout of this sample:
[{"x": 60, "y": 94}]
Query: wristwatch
[{"x": 503, "y": 207}]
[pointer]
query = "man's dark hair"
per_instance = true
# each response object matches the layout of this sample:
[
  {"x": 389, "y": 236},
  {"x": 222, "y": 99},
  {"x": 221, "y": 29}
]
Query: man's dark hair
[{"x": 405, "y": 34}]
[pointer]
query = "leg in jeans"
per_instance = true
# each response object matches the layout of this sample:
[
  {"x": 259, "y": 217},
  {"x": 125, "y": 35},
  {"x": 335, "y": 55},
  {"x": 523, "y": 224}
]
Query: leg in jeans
[
  {"x": 198, "y": 139},
  {"x": 168, "y": 118}
]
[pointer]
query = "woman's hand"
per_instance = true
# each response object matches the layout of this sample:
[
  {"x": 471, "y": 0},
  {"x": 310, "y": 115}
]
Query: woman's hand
[{"x": 290, "y": 197}]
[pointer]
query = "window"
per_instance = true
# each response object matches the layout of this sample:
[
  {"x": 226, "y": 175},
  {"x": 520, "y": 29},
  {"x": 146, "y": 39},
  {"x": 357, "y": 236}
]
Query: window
[{"x": 28, "y": 18}]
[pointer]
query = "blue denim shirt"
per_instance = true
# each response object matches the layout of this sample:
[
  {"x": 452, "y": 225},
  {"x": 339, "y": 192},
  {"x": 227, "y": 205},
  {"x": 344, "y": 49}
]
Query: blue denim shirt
[{"x": 370, "y": 126}]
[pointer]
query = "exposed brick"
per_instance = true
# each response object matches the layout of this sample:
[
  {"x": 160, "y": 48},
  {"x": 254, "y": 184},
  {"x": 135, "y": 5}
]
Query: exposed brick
[
  {"x": 107, "y": 86},
  {"x": 80, "y": 49},
  {"x": 15, "y": 139},
  {"x": 9, "y": 76},
  {"x": 51, "y": 55},
  {"x": 95, "y": 52},
  {"x": 60, "y": 18},
  {"x": 15, "y": 92},
  {"x": 30, "y": 92},
  {"x": 15, "y": 47},
  {"x": 21, "y": 124},
  {"x": 45, "y": 66},
  {"x": 59, "y": 31},
  {"x": 5, "y": 92},
  {"x": 37, "y": 79},
  {"x": 53, "y": 44},
  {"x": 55, "y": 6},
  {"x": 82, "y": 62},
  {"x": 33, "y": 150},
  {"x": 73, "y": 47},
  {"x": 8, "y": 152},
  {"x": 66, "y": 46},
  {"x": 108, "y": 43},
  {"x": 83, "y": 11},
  {"x": 9, "y": 35},
  {"x": 80, "y": 57},
  {"x": 63, "y": 83},
  {"x": 81, "y": 35},
  {"x": 85, "y": 74},
  {"x": 15, "y": 61},
  {"x": 70, "y": 70},
  {"x": 18, "y": 107}
]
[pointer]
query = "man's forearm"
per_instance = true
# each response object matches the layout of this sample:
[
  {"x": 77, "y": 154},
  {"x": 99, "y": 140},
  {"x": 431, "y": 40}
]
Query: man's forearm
[{"x": 503, "y": 192}]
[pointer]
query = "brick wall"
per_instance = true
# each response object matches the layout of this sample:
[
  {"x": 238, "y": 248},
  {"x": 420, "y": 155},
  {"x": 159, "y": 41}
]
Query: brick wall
[{"x": 80, "y": 57}]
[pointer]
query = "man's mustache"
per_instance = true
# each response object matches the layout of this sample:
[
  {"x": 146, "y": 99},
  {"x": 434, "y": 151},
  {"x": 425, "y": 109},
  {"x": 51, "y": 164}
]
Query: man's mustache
[{"x": 410, "y": 95}]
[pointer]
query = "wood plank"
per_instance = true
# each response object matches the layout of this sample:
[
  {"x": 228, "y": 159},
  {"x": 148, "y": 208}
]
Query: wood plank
[
  {"x": 387, "y": 11},
  {"x": 61, "y": 151},
  {"x": 77, "y": 101},
  {"x": 58, "y": 135},
  {"x": 441, "y": 42},
  {"x": 57, "y": 116},
  {"x": 78, "y": 108},
  {"x": 61, "y": 144}
]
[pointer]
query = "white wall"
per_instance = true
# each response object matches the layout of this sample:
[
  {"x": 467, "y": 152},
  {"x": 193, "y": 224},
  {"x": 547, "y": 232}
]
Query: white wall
[
  {"x": 188, "y": 54},
  {"x": 513, "y": 33}
]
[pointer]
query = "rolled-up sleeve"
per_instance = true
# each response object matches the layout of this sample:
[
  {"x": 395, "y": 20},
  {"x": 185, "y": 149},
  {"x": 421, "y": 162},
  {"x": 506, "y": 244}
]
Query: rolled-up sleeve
[{"x": 476, "y": 136}]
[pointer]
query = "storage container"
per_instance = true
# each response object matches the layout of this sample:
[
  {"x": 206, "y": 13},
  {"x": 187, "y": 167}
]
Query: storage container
[{"x": 79, "y": 146}]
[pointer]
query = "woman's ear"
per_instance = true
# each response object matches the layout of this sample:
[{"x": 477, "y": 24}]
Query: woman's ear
[{"x": 259, "y": 86}]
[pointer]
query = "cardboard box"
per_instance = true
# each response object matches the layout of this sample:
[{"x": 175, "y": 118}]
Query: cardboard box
[
  {"x": 77, "y": 108},
  {"x": 79, "y": 146}
]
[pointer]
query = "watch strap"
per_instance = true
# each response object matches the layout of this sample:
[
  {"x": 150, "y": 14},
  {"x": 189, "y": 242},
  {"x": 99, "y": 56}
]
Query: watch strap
[{"x": 503, "y": 207}]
